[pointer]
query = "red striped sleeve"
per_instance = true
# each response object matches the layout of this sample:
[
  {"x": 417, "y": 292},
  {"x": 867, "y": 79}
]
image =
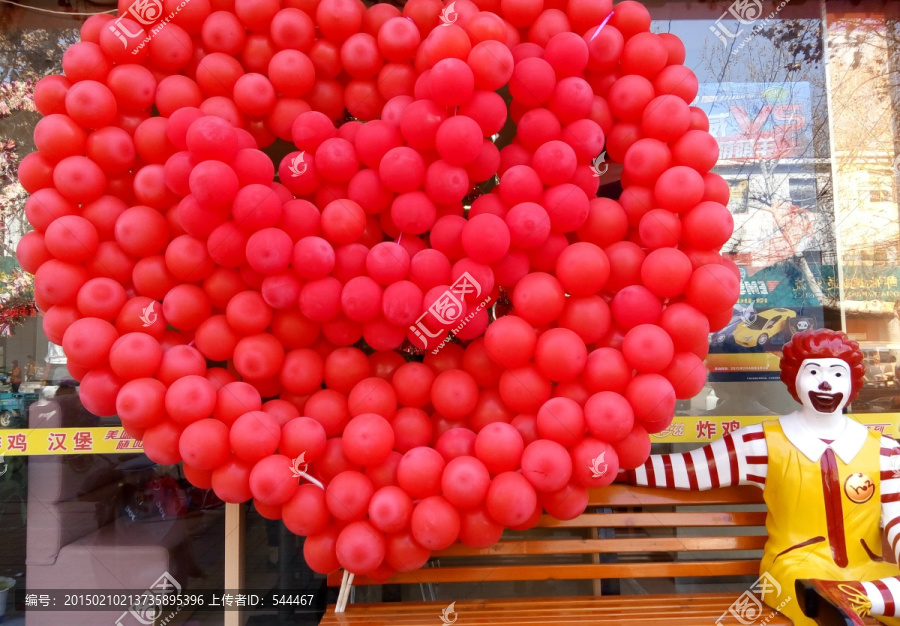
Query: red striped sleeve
[
  {"x": 756, "y": 479},
  {"x": 651, "y": 473},
  {"x": 889, "y": 474},
  {"x": 890, "y": 451},
  {"x": 669, "y": 470},
  {"x": 887, "y": 531},
  {"x": 890, "y": 497},
  {"x": 691, "y": 472},
  {"x": 754, "y": 436},
  {"x": 711, "y": 463},
  {"x": 732, "y": 459},
  {"x": 887, "y": 595},
  {"x": 758, "y": 460}
]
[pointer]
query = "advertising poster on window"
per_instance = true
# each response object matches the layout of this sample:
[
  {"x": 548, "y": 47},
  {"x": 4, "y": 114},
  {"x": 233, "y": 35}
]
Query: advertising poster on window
[{"x": 781, "y": 230}]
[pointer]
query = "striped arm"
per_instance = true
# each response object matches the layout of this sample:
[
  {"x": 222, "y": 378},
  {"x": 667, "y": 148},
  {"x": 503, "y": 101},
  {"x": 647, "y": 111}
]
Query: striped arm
[
  {"x": 890, "y": 492},
  {"x": 738, "y": 458}
]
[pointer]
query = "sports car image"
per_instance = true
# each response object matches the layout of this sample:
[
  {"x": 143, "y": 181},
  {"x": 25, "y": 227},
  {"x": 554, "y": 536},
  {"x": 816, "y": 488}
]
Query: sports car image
[{"x": 760, "y": 329}]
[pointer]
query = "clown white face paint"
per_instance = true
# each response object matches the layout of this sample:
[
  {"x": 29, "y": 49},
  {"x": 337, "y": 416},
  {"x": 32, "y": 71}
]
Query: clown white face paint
[{"x": 823, "y": 385}]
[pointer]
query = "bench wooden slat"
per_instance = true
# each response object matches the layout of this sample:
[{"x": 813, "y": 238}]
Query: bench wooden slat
[
  {"x": 621, "y": 545},
  {"x": 657, "y": 520},
  {"x": 687, "y": 610},
  {"x": 576, "y": 571},
  {"x": 546, "y": 555},
  {"x": 625, "y": 495}
]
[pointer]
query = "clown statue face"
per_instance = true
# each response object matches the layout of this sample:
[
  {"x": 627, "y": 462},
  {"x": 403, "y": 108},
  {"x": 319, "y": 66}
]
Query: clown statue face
[
  {"x": 824, "y": 372},
  {"x": 823, "y": 385}
]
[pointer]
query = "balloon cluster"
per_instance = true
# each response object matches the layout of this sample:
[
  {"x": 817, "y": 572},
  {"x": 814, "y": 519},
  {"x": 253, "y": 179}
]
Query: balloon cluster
[{"x": 186, "y": 286}]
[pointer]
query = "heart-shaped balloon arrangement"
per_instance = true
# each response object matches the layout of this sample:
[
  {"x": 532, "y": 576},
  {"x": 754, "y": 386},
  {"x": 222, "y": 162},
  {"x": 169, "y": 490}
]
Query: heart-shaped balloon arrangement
[{"x": 185, "y": 286}]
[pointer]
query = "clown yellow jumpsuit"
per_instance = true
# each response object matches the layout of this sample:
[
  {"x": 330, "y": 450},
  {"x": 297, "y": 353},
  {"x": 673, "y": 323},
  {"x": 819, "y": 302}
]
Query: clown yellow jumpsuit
[{"x": 823, "y": 516}]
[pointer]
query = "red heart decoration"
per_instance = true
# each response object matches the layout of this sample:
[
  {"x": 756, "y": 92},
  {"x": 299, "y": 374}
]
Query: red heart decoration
[{"x": 186, "y": 287}]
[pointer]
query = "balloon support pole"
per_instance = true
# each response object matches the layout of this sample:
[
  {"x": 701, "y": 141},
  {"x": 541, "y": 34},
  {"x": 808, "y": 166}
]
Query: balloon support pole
[
  {"x": 344, "y": 593},
  {"x": 311, "y": 479}
]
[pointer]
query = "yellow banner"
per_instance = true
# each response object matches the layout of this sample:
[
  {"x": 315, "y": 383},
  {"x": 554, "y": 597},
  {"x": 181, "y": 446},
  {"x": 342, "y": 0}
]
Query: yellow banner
[
  {"x": 695, "y": 429},
  {"x": 114, "y": 440},
  {"x": 42, "y": 441}
]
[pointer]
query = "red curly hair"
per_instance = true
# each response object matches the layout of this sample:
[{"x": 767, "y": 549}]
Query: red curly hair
[{"x": 822, "y": 343}]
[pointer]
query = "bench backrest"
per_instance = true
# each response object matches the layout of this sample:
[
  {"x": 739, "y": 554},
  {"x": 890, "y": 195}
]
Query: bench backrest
[{"x": 635, "y": 523}]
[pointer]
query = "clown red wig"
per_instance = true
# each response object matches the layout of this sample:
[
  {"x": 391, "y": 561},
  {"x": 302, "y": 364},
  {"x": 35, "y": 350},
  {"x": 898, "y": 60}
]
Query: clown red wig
[{"x": 822, "y": 344}]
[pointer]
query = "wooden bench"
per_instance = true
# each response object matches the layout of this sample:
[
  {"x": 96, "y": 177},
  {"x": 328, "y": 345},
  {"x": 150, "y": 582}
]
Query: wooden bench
[{"x": 637, "y": 534}]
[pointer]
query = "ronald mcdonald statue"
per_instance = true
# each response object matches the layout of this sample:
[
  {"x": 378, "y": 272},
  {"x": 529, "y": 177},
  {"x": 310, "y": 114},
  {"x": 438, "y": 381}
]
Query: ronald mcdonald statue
[{"x": 831, "y": 486}]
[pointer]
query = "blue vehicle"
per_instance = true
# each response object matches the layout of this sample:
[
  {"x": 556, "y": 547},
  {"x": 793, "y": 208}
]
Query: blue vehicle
[{"x": 14, "y": 408}]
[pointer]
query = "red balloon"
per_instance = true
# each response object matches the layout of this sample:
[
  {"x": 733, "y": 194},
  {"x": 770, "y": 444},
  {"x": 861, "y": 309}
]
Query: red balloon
[
  {"x": 713, "y": 288},
  {"x": 390, "y": 509},
  {"x": 141, "y": 403},
  {"x": 648, "y": 348},
  {"x": 561, "y": 420},
  {"x": 652, "y": 398},
  {"x": 254, "y": 436},
  {"x": 511, "y": 499},
  {"x": 560, "y": 354},
  {"x": 635, "y": 305},
  {"x": 666, "y": 272},
  {"x": 305, "y": 513},
  {"x": 454, "y": 393},
  {"x": 499, "y": 447},
  {"x": 465, "y": 482},
  {"x": 707, "y": 226},
  {"x": 271, "y": 480},
  {"x": 435, "y": 523},
  {"x": 547, "y": 465},
  {"x": 359, "y": 547},
  {"x": 319, "y": 551},
  {"x": 566, "y": 503},
  {"x": 609, "y": 417},
  {"x": 419, "y": 472},
  {"x": 634, "y": 449},
  {"x": 204, "y": 444},
  {"x": 403, "y": 553},
  {"x": 477, "y": 529},
  {"x": 594, "y": 463},
  {"x": 368, "y": 439}
]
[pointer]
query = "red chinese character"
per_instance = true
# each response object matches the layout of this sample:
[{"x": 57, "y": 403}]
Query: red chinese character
[
  {"x": 16, "y": 442},
  {"x": 122, "y": 445},
  {"x": 706, "y": 429},
  {"x": 730, "y": 427},
  {"x": 112, "y": 433},
  {"x": 84, "y": 440},
  {"x": 57, "y": 442}
]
